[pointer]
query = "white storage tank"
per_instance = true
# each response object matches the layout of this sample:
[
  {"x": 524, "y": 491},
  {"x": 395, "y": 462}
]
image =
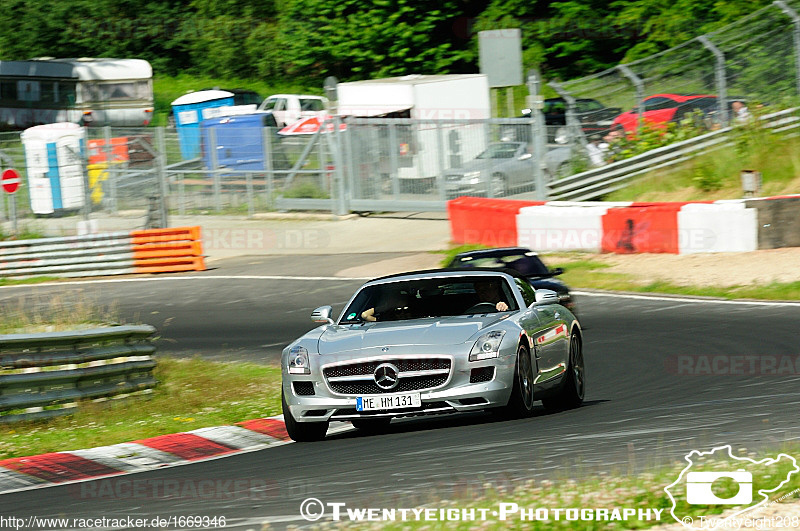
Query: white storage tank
[{"x": 53, "y": 155}]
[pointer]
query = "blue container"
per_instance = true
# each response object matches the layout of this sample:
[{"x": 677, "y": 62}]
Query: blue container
[
  {"x": 237, "y": 140},
  {"x": 190, "y": 110}
]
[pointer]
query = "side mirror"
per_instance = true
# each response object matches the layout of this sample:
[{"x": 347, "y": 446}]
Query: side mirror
[
  {"x": 545, "y": 296},
  {"x": 322, "y": 315},
  {"x": 557, "y": 271},
  {"x": 525, "y": 156}
]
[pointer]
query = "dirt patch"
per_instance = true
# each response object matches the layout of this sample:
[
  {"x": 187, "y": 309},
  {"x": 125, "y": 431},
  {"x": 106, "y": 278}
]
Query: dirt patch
[{"x": 716, "y": 269}]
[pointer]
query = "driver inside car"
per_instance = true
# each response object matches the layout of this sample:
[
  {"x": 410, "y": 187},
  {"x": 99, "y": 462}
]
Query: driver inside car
[
  {"x": 490, "y": 292},
  {"x": 394, "y": 307}
]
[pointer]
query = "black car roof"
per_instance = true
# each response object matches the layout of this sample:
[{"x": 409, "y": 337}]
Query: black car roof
[
  {"x": 497, "y": 251},
  {"x": 458, "y": 270}
]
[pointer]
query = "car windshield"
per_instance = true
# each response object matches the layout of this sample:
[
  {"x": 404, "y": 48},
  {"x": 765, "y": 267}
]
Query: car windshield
[
  {"x": 504, "y": 150},
  {"x": 432, "y": 297},
  {"x": 525, "y": 263}
]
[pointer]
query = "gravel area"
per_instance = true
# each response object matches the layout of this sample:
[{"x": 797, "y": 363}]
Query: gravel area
[{"x": 716, "y": 269}]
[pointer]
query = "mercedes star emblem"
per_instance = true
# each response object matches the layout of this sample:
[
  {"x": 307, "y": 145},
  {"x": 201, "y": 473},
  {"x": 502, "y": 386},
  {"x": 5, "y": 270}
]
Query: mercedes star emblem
[{"x": 387, "y": 376}]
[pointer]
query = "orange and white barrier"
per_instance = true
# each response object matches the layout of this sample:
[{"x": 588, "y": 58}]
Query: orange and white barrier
[
  {"x": 659, "y": 227},
  {"x": 116, "y": 253}
]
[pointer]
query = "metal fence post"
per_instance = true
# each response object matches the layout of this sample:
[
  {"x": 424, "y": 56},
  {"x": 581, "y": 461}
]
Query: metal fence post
[
  {"x": 791, "y": 13},
  {"x": 639, "y": 86},
  {"x": 161, "y": 174},
  {"x": 719, "y": 72},
  {"x": 269, "y": 175},
  {"x": 395, "y": 163},
  {"x": 212, "y": 148},
  {"x": 249, "y": 183},
  {"x": 574, "y": 130},
  {"x": 539, "y": 137},
  {"x": 337, "y": 153},
  {"x": 440, "y": 160},
  {"x": 112, "y": 176}
]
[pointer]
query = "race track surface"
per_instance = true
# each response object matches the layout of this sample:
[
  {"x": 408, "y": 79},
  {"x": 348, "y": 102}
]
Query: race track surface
[{"x": 664, "y": 376}]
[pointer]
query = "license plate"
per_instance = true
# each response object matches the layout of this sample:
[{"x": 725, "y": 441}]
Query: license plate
[{"x": 371, "y": 403}]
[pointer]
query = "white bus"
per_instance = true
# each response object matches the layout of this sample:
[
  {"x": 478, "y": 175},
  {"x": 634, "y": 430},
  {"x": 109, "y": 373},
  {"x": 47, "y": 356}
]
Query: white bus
[{"x": 86, "y": 91}]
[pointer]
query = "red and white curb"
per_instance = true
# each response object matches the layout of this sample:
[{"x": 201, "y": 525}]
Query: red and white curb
[{"x": 22, "y": 473}]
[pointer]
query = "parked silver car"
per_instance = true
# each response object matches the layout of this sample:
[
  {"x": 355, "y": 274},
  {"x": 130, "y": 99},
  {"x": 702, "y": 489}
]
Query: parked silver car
[
  {"x": 501, "y": 168},
  {"x": 433, "y": 342}
]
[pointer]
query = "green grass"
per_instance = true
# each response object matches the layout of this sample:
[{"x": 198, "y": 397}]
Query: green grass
[
  {"x": 601, "y": 489},
  {"x": 51, "y": 313},
  {"x": 191, "y": 394},
  {"x": 717, "y": 175}
]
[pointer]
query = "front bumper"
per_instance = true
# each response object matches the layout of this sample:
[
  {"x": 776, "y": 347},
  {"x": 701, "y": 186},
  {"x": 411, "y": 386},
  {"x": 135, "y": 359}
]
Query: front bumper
[{"x": 460, "y": 392}]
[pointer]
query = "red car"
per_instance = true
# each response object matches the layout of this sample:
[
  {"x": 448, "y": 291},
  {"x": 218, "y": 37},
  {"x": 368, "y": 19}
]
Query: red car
[{"x": 664, "y": 108}]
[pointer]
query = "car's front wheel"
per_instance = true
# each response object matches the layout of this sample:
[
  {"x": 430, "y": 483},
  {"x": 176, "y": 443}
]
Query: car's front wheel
[
  {"x": 302, "y": 431},
  {"x": 521, "y": 402},
  {"x": 572, "y": 391}
]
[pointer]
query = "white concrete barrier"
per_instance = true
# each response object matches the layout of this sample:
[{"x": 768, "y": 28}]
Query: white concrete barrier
[
  {"x": 721, "y": 227},
  {"x": 561, "y": 228}
]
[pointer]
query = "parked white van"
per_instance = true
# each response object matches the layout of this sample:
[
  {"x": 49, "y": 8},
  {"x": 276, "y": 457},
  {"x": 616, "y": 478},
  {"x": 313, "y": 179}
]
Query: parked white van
[{"x": 289, "y": 108}]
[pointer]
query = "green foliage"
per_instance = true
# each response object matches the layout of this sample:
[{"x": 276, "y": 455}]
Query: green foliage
[
  {"x": 306, "y": 190},
  {"x": 706, "y": 178},
  {"x": 306, "y": 40}
]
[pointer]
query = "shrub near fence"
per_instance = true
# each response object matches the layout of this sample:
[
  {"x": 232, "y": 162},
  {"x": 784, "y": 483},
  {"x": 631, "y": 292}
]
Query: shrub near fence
[{"x": 45, "y": 375}]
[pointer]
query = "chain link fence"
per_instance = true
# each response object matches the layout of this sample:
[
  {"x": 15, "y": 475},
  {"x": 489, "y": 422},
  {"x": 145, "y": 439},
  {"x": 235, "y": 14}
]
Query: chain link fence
[{"x": 359, "y": 164}]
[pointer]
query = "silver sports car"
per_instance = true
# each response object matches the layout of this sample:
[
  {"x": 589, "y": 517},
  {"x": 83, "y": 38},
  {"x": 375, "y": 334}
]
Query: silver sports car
[{"x": 432, "y": 342}]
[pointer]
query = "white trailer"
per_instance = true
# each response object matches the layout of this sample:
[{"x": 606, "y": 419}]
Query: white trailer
[{"x": 440, "y": 107}]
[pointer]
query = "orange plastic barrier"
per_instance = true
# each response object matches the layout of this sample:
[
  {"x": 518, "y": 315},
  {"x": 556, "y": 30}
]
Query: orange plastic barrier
[
  {"x": 119, "y": 150},
  {"x": 641, "y": 229},
  {"x": 168, "y": 250},
  {"x": 485, "y": 221}
]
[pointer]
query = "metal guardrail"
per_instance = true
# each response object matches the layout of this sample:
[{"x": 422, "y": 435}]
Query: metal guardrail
[
  {"x": 597, "y": 182},
  {"x": 45, "y": 375},
  {"x": 114, "y": 253}
]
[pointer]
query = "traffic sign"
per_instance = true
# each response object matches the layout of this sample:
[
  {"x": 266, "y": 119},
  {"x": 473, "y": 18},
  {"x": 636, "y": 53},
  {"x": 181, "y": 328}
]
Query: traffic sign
[{"x": 10, "y": 181}]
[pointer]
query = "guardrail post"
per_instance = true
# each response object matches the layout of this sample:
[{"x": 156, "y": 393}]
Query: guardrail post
[
  {"x": 539, "y": 130},
  {"x": 639, "y": 86},
  {"x": 791, "y": 13},
  {"x": 719, "y": 72}
]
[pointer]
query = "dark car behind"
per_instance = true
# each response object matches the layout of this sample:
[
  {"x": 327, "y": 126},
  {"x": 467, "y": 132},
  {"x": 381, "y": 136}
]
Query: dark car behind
[{"x": 522, "y": 260}]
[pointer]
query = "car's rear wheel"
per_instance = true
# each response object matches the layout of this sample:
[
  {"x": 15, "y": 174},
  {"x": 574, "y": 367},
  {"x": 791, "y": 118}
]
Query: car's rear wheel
[
  {"x": 302, "y": 431},
  {"x": 521, "y": 402},
  {"x": 572, "y": 391},
  {"x": 371, "y": 425}
]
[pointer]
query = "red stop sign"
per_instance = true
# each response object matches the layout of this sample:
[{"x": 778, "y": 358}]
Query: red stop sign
[{"x": 10, "y": 181}]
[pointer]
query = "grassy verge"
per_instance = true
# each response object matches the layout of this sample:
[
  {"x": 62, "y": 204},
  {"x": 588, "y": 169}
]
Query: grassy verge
[
  {"x": 602, "y": 491},
  {"x": 582, "y": 272},
  {"x": 192, "y": 394},
  {"x": 716, "y": 175}
]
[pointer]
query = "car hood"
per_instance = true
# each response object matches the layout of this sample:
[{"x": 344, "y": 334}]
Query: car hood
[
  {"x": 475, "y": 165},
  {"x": 431, "y": 331}
]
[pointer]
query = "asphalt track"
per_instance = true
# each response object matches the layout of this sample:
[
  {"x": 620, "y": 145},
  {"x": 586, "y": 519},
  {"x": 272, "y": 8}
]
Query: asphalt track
[{"x": 645, "y": 406}]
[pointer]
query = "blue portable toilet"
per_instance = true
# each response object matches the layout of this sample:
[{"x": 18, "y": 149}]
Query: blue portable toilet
[
  {"x": 53, "y": 154},
  {"x": 191, "y": 109},
  {"x": 238, "y": 140}
]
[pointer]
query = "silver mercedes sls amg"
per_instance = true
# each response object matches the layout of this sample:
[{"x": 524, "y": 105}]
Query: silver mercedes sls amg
[{"x": 433, "y": 342}]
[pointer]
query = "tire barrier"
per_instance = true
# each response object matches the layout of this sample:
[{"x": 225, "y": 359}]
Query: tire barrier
[
  {"x": 115, "y": 253},
  {"x": 667, "y": 227},
  {"x": 45, "y": 375}
]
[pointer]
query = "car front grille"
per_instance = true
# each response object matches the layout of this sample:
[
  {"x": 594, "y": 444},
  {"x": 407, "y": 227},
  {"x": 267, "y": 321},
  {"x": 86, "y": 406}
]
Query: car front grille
[{"x": 414, "y": 374}]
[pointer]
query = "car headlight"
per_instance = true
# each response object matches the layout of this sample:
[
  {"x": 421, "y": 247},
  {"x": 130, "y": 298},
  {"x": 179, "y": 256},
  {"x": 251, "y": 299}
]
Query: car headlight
[
  {"x": 487, "y": 346},
  {"x": 298, "y": 361}
]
